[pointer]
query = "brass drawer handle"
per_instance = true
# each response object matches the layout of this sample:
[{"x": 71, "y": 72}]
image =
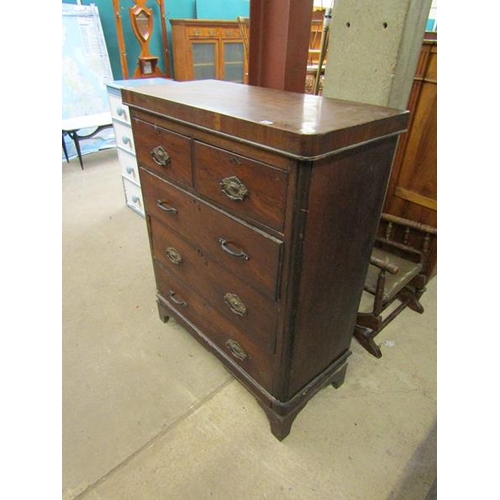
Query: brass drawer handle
[
  {"x": 160, "y": 156},
  {"x": 236, "y": 350},
  {"x": 181, "y": 303},
  {"x": 165, "y": 207},
  {"x": 173, "y": 256},
  {"x": 235, "y": 304},
  {"x": 240, "y": 253},
  {"x": 233, "y": 188}
]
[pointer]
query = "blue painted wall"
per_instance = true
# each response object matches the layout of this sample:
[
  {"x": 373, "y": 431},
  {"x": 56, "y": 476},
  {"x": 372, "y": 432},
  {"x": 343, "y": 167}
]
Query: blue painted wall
[
  {"x": 174, "y": 9},
  {"x": 222, "y": 9}
]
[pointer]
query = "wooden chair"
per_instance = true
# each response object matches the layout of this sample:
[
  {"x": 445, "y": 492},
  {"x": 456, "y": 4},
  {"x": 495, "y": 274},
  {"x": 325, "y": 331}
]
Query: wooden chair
[{"x": 397, "y": 275}]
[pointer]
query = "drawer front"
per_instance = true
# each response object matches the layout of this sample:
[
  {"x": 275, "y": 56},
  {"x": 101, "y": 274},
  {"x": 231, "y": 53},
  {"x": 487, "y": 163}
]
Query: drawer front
[
  {"x": 129, "y": 166},
  {"x": 124, "y": 137},
  {"x": 250, "y": 254},
  {"x": 165, "y": 153},
  {"x": 216, "y": 327},
  {"x": 230, "y": 33},
  {"x": 119, "y": 111},
  {"x": 252, "y": 314},
  {"x": 203, "y": 32},
  {"x": 252, "y": 190},
  {"x": 133, "y": 196}
]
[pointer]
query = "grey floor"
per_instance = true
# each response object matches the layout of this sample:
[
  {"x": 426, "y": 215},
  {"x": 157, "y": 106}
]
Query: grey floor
[{"x": 149, "y": 414}]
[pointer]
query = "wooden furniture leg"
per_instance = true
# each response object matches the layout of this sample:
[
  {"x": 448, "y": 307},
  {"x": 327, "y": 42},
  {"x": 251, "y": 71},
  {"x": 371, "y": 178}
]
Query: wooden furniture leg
[
  {"x": 365, "y": 337},
  {"x": 163, "y": 312}
]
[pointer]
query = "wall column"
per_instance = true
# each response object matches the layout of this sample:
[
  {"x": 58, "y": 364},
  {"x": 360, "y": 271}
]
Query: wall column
[
  {"x": 373, "y": 50},
  {"x": 279, "y": 43}
]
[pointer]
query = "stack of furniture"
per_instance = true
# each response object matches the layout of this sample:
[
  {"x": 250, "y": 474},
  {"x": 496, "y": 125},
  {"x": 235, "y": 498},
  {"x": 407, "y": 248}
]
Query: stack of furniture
[
  {"x": 412, "y": 191},
  {"x": 261, "y": 228}
]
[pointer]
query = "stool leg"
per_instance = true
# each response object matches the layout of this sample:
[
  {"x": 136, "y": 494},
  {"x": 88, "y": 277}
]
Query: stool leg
[
  {"x": 64, "y": 147},
  {"x": 74, "y": 135}
]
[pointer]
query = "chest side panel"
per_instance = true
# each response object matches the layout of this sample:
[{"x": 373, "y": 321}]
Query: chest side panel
[{"x": 345, "y": 201}]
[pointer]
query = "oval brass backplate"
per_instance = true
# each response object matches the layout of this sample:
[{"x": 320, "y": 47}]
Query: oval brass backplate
[
  {"x": 160, "y": 156},
  {"x": 233, "y": 188},
  {"x": 235, "y": 304},
  {"x": 236, "y": 349},
  {"x": 173, "y": 256}
]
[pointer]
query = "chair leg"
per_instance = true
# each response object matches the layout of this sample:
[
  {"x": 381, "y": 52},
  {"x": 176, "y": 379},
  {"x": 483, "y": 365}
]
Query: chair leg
[
  {"x": 365, "y": 337},
  {"x": 413, "y": 296}
]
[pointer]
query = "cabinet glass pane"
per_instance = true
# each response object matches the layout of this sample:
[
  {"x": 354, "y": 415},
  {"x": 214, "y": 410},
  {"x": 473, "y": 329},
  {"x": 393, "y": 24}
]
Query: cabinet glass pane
[
  {"x": 233, "y": 62},
  {"x": 203, "y": 60}
]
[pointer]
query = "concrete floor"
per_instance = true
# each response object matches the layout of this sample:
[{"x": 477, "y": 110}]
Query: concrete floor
[{"x": 149, "y": 414}]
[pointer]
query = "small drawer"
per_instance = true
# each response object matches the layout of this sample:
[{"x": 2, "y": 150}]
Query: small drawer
[
  {"x": 164, "y": 153},
  {"x": 205, "y": 32},
  {"x": 252, "y": 314},
  {"x": 129, "y": 166},
  {"x": 215, "y": 327},
  {"x": 250, "y": 189},
  {"x": 230, "y": 32},
  {"x": 119, "y": 111},
  {"x": 133, "y": 196},
  {"x": 124, "y": 137},
  {"x": 250, "y": 254}
]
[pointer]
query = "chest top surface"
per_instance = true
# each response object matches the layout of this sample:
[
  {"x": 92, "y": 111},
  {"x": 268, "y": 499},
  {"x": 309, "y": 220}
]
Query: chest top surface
[{"x": 299, "y": 124}]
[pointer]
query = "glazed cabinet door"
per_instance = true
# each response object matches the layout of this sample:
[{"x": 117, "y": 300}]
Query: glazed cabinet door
[
  {"x": 204, "y": 60},
  {"x": 234, "y": 62}
]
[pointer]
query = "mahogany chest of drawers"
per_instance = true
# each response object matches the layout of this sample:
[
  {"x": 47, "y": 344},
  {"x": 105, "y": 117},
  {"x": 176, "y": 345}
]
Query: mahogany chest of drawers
[{"x": 262, "y": 207}]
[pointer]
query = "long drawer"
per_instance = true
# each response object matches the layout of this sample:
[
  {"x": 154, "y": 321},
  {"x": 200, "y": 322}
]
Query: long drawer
[
  {"x": 250, "y": 254},
  {"x": 253, "y": 314},
  {"x": 251, "y": 189},
  {"x": 216, "y": 327}
]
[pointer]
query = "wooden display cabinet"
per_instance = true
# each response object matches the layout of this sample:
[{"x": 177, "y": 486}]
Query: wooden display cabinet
[{"x": 206, "y": 49}]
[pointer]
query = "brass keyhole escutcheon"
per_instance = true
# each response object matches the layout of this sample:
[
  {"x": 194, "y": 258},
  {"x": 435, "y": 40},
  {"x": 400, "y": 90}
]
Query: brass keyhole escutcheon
[
  {"x": 235, "y": 304},
  {"x": 233, "y": 188}
]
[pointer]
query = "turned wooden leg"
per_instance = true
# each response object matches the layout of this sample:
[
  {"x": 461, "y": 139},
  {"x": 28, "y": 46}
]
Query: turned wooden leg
[
  {"x": 339, "y": 377},
  {"x": 365, "y": 338},
  {"x": 163, "y": 312}
]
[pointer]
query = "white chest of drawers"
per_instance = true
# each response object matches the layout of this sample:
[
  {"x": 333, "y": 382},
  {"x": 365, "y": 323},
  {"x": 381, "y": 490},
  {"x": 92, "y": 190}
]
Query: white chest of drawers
[{"x": 125, "y": 139}]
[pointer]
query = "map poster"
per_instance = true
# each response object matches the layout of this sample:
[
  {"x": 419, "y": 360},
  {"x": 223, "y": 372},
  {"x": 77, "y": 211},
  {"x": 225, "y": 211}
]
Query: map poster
[{"x": 85, "y": 62}]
